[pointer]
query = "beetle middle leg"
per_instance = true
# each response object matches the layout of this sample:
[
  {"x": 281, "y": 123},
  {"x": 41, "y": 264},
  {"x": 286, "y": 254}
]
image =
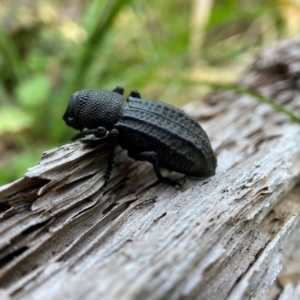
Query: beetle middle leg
[
  {"x": 151, "y": 157},
  {"x": 112, "y": 141},
  {"x": 135, "y": 94}
]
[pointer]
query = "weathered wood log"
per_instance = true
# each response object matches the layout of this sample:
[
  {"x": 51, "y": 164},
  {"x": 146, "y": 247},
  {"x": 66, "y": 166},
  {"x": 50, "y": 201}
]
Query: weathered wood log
[{"x": 235, "y": 235}]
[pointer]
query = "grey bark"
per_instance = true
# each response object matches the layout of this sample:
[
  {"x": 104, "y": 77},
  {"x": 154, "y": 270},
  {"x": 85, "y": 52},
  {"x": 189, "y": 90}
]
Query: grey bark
[{"x": 235, "y": 235}]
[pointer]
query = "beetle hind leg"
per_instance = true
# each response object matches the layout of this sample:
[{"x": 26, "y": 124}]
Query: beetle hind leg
[{"x": 151, "y": 157}]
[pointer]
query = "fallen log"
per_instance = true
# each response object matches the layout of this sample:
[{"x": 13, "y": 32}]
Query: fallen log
[{"x": 235, "y": 235}]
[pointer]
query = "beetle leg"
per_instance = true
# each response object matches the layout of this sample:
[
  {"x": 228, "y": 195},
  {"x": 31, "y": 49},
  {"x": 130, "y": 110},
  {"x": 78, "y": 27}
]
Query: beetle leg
[
  {"x": 135, "y": 94},
  {"x": 152, "y": 158},
  {"x": 119, "y": 90},
  {"x": 99, "y": 132},
  {"x": 112, "y": 141}
]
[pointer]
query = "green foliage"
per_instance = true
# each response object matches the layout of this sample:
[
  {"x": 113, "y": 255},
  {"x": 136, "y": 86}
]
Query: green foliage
[
  {"x": 48, "y": 50},
  {"x": 13, "y": 119},
  {"x": 41, "y": 86}
]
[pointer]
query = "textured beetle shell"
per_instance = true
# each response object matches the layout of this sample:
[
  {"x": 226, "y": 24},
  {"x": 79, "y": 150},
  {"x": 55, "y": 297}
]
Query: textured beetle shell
[
  {"x": 95, "y": 108},
  {"x": 180, "y": 142}
]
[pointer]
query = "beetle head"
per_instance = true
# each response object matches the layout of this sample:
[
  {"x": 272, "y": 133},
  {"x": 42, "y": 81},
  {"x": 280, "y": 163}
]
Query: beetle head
[
  {"x": 92, "y": 109},
  {"x": 69, "y": 115}
]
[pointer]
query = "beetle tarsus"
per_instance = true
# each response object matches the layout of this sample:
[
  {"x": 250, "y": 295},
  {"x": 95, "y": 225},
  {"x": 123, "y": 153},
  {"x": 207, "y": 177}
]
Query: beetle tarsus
[
  {"x": 151, "y": 157},
  {"x": 76, "y": 136},
  {"x": 171, "y": 182}
]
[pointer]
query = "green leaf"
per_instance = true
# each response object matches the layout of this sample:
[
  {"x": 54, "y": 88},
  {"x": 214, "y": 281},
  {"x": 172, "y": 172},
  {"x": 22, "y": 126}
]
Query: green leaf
[
  {"x": 14, "y": 119},
  {"x": 34, "y": 91}
]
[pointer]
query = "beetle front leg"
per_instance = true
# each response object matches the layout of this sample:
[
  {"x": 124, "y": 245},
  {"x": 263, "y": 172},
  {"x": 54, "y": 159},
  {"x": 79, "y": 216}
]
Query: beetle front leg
[
  {"x": 112, "y": 140},
  {"x": 118, "y": 90},
  {"x": 151, "y": 157},
  {"x": 99, "y": 132}
]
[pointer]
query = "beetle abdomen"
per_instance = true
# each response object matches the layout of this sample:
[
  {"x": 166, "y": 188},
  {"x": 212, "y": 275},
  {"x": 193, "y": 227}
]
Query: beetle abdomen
[{"x": 179, "y": 141}]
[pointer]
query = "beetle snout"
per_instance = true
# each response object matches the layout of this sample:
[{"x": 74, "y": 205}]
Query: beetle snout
[
  {"x": 69, "y": 115},
  {"x": 71, "y": 122}
]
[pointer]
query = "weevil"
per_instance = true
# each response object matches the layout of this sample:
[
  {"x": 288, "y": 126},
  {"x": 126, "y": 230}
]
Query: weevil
[{"x": 151, "y": 131}]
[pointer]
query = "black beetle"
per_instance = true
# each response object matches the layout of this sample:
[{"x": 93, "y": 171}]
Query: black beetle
[{"x": 151, "y": 131}]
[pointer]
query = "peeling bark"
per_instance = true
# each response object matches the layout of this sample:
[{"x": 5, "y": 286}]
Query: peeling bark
[{"x": 235, "y": 235}]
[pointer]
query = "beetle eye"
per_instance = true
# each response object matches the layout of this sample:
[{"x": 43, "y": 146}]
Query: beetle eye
[{"x": 70, "y": 120}]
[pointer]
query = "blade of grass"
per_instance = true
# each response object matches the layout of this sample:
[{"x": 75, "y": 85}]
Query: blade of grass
[
  {"x": 243, "y": 91},
  {"x": 87, "y": 56},
  {"x": 259, "y": 98},
  {"x": 11, "y": 55},
  {"x": 96, "y": 36}
]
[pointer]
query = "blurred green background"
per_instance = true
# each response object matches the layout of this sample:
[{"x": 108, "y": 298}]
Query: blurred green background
[{"x": 50, "y": 49}]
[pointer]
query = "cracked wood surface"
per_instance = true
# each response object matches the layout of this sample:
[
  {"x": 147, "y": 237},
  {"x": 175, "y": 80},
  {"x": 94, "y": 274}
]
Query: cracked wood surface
[{"x": 235, "y": 235}]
